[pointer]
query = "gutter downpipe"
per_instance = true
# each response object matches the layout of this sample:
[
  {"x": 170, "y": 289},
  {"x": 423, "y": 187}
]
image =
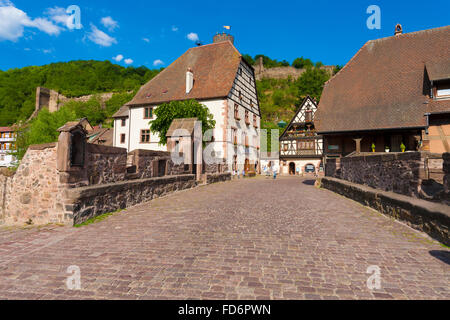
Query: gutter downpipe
[{"x": 428, "y": 122}]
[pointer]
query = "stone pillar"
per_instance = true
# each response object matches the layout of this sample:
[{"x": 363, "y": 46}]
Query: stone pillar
[
  {"x": 358, "y": 145},
  {"x": 198, "y": 149}
]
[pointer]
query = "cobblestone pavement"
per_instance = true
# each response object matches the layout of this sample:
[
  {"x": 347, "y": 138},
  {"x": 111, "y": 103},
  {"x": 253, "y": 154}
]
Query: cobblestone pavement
[{"x": 255, "y": 238}]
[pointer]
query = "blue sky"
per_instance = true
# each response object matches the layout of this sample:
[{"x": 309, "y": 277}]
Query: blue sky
[{"x": 155, "y": 33}]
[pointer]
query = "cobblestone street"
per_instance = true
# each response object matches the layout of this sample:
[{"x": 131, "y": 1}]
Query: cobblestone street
[{"x": 246, "y": 239}]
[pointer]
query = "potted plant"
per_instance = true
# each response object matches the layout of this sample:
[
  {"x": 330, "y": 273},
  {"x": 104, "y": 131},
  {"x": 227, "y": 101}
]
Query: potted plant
[
  {"x": 373, "y": 147},
  {"x": 403, "y": 147},
  {"x": 387, "y": 149}
]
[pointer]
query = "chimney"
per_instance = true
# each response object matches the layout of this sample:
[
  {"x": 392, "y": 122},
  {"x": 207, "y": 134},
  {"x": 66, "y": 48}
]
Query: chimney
[
  {"x": 398, "y": 29},
  {"x": 189, "y": 80}
]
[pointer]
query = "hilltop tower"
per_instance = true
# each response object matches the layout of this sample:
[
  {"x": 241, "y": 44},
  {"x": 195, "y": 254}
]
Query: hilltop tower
[{"x": 221, "y": 37}]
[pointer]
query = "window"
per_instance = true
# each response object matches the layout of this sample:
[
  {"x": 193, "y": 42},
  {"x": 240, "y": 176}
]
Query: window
[
  {"x": 124, "y": 122},
  {"x": 306, "y": 145},
  {"x": 235, "y": 162},
  {"x": 247, "y": 119},
  {"x": 122, "y": 138},
  {"x": 247, "y": 144},
  {"x": 308, "y": 116},
  {"x": 443, "y": 90},
  {"x": 236, "y": 112},
  {"x": 234, "y": 136},
  {"x": 240, "y": 71},
  {"x": 148, "y": 113},
  {"x": 145, "y": 136},
  {"x": 255, "y": 121}
]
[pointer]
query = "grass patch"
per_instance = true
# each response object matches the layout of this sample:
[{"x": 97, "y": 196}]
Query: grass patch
[{"x": 97, "y": 219}]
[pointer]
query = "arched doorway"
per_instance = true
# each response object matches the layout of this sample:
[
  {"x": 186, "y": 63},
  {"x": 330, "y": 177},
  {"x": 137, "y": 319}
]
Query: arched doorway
[
  {"x": 292, "y": 168},
  {"x": 247, "y": 166}
]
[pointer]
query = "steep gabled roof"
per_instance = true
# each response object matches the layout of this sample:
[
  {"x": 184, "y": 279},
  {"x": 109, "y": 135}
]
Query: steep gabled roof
[
  {"x": 307, "y": 101},
  {"x": 214, "y": 67},
  {"x": 6, "y": 129},
  {"x": 385, "y": 85}
]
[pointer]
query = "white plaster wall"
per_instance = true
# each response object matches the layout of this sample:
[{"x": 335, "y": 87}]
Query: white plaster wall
[
  {"x": 299, "y": 164},
  {"x": 118, "y": 130},
  {"x": 7, "y": 160},
  {"x": 138, "y": 123}
]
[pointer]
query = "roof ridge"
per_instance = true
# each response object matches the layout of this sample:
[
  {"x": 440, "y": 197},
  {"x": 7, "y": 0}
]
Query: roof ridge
[
  {"x": 413, "y": 33},
  {"x": 347, "y": 65}
]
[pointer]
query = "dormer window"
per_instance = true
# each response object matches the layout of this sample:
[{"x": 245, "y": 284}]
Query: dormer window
[{"x": 442, "y": 90}]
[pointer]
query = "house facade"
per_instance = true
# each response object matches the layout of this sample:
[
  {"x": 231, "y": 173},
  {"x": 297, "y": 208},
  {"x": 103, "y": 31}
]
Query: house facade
[
  {"x": 7, "y": 145},
  {"x": 218, "y": 77},
  {"x": 392, "y": 96},
  {"x": 301, "y": 148}
]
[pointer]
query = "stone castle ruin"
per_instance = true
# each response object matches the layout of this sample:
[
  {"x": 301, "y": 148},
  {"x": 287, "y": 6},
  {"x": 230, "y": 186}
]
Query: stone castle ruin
[
  {"x": 53, "y": 100},
  {"x": 282, "y": 72}
]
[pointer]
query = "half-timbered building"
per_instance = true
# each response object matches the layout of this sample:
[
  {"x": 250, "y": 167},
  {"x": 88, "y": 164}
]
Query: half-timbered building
[
  {"x": 301, "y": 148},
  {"x": 218, "y": 77},
  {"x": 392, "y": 96}
]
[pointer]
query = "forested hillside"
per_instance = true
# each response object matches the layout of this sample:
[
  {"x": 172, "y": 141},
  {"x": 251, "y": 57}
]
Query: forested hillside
[
  {"x": 279, "y": 98},
  {"x": 72, "y": 79}
]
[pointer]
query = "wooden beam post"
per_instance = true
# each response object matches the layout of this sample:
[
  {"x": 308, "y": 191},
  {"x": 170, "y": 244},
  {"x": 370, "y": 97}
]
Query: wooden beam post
[{"x": 358, "y": 145}]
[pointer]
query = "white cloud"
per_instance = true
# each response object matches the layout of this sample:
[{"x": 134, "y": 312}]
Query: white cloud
[
  {"x": 118, "y": 58},
  {"x": 158, "y": 63},
  {"x": 13, "y": 21},
  {"x": 99, "y": 37},
  {"x": 60, "y": 16},
  {"x": 146, "y": 40},
  {"x": 174, "y": 28},
  {"x": 193, "y": 36},
  {"x": 44, "y": 25},
  {"x": 109, "y": 23},
  {"x": 128, "y": 61}
]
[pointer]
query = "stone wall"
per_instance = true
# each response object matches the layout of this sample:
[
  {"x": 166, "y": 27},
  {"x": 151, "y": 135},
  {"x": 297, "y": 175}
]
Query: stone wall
[
  {"x": 218, "y": 177},
  {"x": 429, "y": 217},
  {"x": 88, "y": 202},
  {"x": 282, "y": 72},
  {"x": 33, "y": 194},
  {"x": 446, "y": 183},
  {"x": 216, "y": 167},
  {"x": 106, "y": 164},
  {"x": 397, "y": 172},
  {"x": 71, "y": 181},
  {"x": 4, "y": 180},
  {"x": 150, "y": 164}
]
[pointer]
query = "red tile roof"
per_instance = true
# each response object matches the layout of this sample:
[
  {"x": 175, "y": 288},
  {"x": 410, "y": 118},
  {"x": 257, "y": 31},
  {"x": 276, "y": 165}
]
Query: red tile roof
[
  {"x": 385, "y": 86},
  {"x": 6, "y": 129},
  {"x": 214, "y": 67}
]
